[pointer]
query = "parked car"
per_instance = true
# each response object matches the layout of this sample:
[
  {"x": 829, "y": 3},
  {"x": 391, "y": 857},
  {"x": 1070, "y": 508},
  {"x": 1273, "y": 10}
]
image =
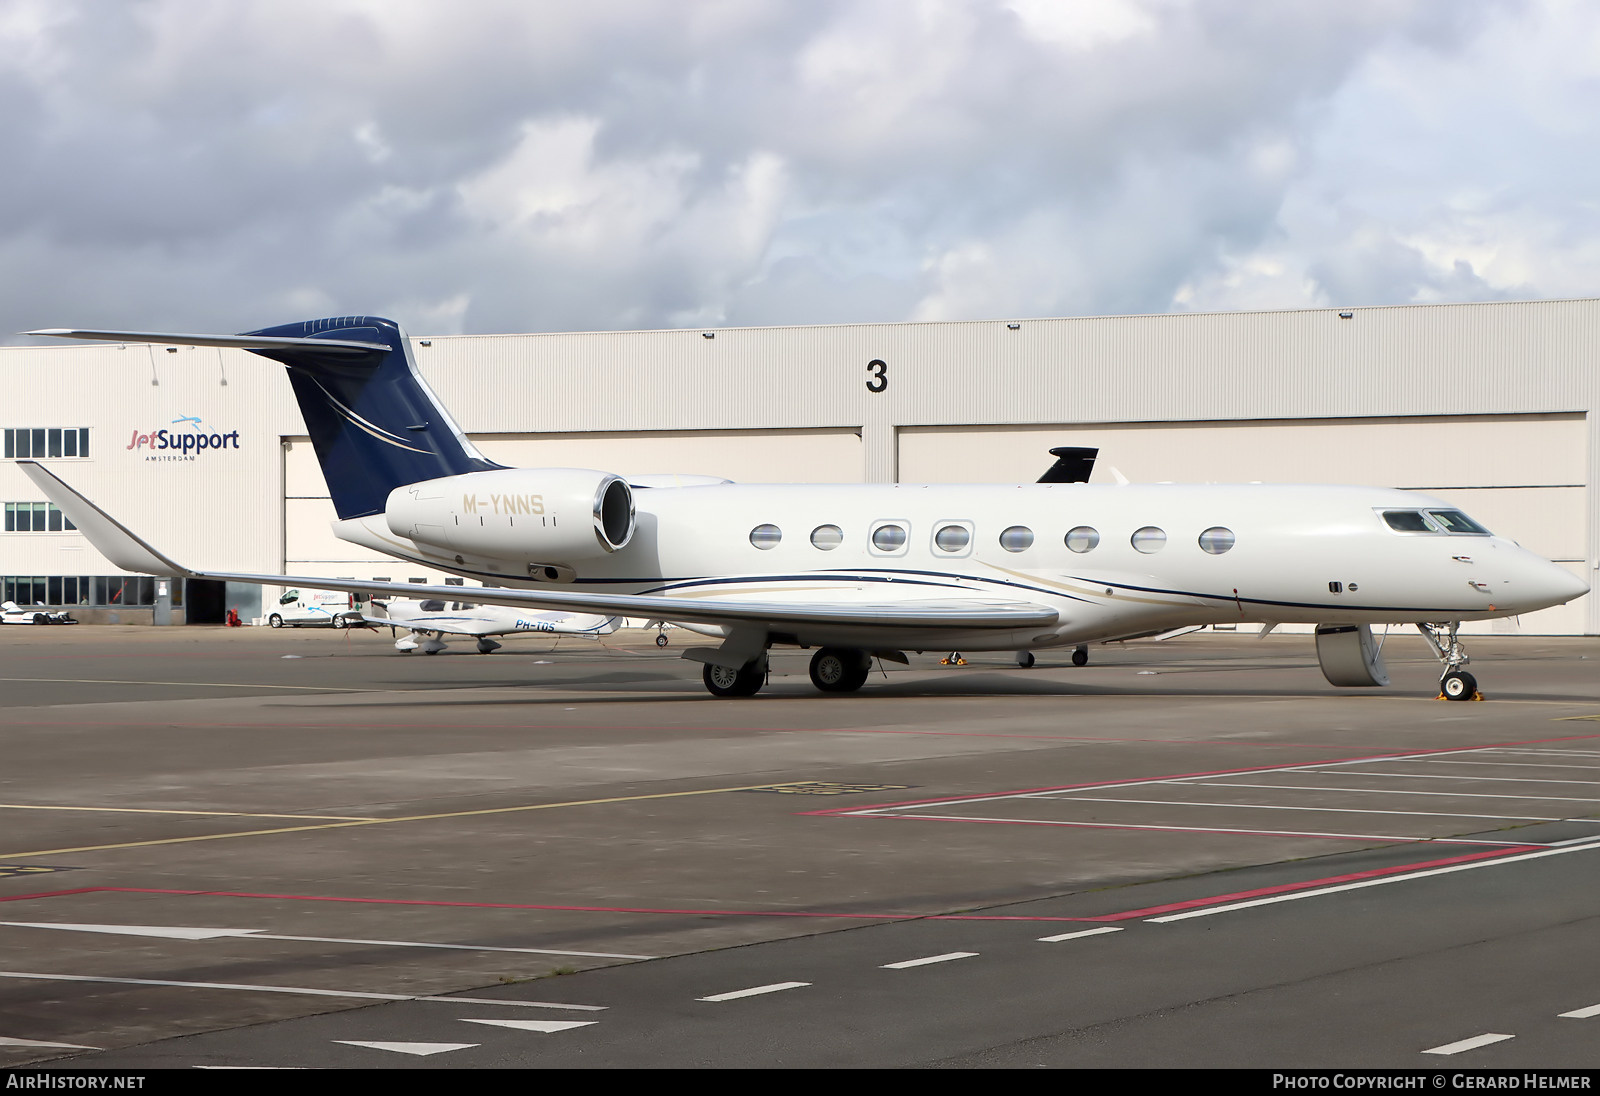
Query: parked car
[
  {"x": 296, "y": 609},
  {"x": 12, "y": 613}
]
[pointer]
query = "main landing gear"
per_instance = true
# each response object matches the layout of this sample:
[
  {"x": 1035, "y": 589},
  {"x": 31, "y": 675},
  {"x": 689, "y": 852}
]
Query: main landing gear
[
  {"x": 727, "y": 681},
  {"x": 1454, "y": 683},
  {"x": 1080, "y": 655},
  {"x": 840, "y": 669}
]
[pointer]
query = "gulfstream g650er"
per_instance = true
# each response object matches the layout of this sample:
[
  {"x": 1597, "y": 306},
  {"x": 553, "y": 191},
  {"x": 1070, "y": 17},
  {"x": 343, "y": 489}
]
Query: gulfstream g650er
[{"x": 857, "y": 572}]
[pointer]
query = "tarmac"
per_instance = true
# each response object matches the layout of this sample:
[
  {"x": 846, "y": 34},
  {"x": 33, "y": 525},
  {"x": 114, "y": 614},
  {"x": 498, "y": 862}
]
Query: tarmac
[{"x": 251, "y": 847}]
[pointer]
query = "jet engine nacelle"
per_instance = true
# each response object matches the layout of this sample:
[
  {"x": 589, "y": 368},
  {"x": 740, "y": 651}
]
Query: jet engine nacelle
[{"x": 533, "y": 516}]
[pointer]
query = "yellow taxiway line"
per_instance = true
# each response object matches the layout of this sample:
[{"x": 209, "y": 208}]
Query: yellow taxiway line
[
  {"x": 377, "y": 822},
  {"x": 157, "y": 810},
  {"x": 191, "y": 684}
]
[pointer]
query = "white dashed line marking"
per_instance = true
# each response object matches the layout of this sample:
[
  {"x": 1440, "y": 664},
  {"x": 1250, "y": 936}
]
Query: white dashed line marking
[
  {"x": 945, "y": 958},
  {"x": 1076, "y": 935},
  {"x": 1469, "y": 1044},
  {"x": 1582, "y": 1013},
  {"x": 774, "y": 988}
]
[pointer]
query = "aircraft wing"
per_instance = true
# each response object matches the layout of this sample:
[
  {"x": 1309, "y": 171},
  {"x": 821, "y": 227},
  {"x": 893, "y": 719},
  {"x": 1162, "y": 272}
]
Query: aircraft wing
[{"x": 128, "y": 551}]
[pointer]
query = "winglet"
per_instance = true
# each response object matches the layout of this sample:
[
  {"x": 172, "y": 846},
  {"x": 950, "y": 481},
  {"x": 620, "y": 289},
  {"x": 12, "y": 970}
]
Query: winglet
[{"x": 109, "y": 536}]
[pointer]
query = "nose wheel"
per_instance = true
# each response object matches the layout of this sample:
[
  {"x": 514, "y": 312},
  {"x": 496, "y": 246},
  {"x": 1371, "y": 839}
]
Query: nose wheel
[
  {"x": 1454, "y": 683},
  {"x": 1459, "y": 685}
]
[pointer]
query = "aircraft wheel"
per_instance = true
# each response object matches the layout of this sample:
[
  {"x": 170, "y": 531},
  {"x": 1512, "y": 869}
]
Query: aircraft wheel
[
  {"x": 661, "y": 641},
  {"x": 726, "y": 681},
  {"x": 487, "y": 646},
  {"x": 1025, "y": 659},
  {"x": 840, "y": 669},
  {"x": 1080, "y": 656},
  {"x": 1458, "y": 685},
  {"x": 275, "y": 620}
]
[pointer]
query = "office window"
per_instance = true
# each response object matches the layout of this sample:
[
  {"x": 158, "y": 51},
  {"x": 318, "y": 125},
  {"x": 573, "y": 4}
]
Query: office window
[
  {"x": 36, "y": 517},
  {"x": 47, "y": 443}
]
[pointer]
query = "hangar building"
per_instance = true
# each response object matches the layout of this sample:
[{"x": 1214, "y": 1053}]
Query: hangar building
[{"x": 1493, "y": 407}]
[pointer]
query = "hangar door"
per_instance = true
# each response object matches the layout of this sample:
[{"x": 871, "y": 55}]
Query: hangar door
[
  {"x": 776, "y": 456},
  {"x": 1523, "y": 476}
]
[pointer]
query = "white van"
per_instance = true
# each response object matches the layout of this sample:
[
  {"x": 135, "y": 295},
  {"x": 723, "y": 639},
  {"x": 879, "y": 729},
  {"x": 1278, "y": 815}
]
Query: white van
[{"x": 329, "y": 607}]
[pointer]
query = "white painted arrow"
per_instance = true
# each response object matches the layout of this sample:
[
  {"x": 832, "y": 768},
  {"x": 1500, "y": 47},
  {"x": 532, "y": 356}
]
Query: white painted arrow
[
  {"x": 422, "y": 1050},
  {"x": 4, "y": 1042},
  {"x": 546, "y": 1026},
  {"x": 167, "y": 932}
]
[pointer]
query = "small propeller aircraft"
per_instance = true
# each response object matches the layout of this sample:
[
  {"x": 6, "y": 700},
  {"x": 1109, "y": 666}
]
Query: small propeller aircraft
[
  {"x": 863, "y": 571},
  {"x": 427, "y": 622}
]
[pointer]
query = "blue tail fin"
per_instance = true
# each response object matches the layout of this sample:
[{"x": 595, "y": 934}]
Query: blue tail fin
[{"x": 373, "y": 421}]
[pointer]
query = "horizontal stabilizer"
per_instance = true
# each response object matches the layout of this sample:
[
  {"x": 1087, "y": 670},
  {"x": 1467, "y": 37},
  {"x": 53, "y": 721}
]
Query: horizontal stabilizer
[
  {"x": 109, "y": 536},
  {"x": 234, "y": 342}
]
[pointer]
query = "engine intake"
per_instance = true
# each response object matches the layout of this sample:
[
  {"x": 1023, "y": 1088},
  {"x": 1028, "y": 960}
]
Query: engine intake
[{"x": 527, "y": 515}]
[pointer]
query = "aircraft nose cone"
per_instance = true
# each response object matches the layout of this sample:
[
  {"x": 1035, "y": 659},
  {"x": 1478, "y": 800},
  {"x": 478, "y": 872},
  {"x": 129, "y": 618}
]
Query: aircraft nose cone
[{"x": 1552, "y": 585}]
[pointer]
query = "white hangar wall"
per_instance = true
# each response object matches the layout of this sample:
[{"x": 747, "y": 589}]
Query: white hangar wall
[{"x": 1491, "y": 406}]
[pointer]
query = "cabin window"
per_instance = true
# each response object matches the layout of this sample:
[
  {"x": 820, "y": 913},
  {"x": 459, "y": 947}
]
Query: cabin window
[
  {"x": 1083, "y": 539},
  {"x": 1149, "y": 540},
  {"x": 766, "y": 536},
  {"x": 952, "y": 538},
  {"x": 1216, "y": 540},
  {"x": 1018, "y": 538},
  {"x": 1457, "y": 523},
  {"x": 889, "y": 538},
  {"x": 827, "y": 537},
  {"x": 431, "y": 606}
]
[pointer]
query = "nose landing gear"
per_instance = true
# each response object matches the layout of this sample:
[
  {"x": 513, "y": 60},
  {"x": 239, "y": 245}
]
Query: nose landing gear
[{"x": 1454, "y": 683}]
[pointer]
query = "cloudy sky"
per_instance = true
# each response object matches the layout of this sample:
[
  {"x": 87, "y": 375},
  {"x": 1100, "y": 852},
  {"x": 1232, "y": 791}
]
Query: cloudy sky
[{"x": 485, "y": 166}]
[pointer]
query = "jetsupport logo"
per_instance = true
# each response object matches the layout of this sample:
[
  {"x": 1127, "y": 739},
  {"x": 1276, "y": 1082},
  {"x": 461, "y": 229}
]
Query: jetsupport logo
[{"x": 181, "y": 445}]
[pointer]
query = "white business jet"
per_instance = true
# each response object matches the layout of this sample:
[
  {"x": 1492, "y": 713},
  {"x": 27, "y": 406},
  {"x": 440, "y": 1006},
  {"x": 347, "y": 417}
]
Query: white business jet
[
  {"x": 428, "y": 621},
  {"x": 864, "y": 571}
]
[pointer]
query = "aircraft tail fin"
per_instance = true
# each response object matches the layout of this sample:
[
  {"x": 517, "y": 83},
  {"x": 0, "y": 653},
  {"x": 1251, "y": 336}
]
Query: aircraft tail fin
[
  {"x": 374, "y": 422},
  {"x": 1074, "y": 463}
]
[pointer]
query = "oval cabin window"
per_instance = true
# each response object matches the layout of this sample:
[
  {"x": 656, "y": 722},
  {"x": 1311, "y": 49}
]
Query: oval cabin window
[
  {"x": 952, "y": 538},
  {"x": 1083, "y": 539},
  {"x": 766, "y": 536},
  {"x": 889, "y": 538},
  {"x": 1018, "y": 538},
  {"x": 1149, "y": 540},
  {"x": 827, "y": 537},
  {"x": 1216, "y": 540}
]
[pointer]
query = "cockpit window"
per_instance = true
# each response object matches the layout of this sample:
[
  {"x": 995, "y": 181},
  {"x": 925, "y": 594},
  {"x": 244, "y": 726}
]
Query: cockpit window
[
  {"x": 1408, "y": 521},
  {"x": 432, "y": 606},
  {"x": 1454, "y": 521}
]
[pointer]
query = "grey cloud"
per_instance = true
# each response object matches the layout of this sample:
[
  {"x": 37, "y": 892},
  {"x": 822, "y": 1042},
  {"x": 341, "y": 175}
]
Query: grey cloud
[{"x": 504, "y": 166}]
